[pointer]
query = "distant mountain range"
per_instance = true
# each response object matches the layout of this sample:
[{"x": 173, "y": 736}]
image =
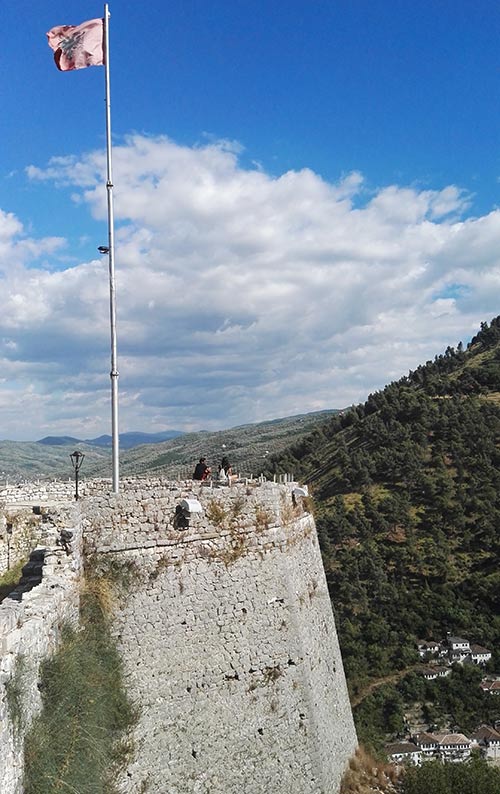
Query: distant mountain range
[{"x": 127, "y": 440}]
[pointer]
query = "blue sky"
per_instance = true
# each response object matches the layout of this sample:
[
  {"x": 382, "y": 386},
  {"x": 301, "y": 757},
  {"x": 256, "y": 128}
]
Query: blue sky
[{"x": 306, "y": 204}]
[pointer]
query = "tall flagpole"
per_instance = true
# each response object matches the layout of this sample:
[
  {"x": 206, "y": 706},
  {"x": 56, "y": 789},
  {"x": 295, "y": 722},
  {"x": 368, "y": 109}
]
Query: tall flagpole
[{"x": 111, "y": 261}]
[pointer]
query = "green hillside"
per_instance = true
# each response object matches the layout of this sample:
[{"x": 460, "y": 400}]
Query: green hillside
[
  {"x": 29, "y": 460},
  {"x": 248, "y": 448},
  {"x": 407, "y": 494}
]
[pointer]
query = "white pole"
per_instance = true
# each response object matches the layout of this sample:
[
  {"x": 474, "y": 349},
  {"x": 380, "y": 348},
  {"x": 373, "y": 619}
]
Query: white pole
[{"x": 111, "y": 261}]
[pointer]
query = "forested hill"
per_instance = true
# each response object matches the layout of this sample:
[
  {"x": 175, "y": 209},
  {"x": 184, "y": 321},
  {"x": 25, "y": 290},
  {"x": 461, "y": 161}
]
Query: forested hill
[{"x": 407, "y": 494}]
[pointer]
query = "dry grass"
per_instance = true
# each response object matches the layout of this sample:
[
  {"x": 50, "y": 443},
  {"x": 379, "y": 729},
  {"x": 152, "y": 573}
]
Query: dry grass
[
  {"x": 263, "y": 518},
  {"x": 217, "y": 514},
  {"x": 82, "y": 737},
  {"x": 366, "y": 775},
  {"x": 103, "y": 592}
]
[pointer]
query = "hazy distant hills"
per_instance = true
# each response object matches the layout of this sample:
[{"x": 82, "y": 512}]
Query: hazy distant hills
[
  {"x": 127, "y": 440},
  {"x": 58, "y": 441},
  {"x": 247, "y": 447},
  {"x": 29, "y": 460}
]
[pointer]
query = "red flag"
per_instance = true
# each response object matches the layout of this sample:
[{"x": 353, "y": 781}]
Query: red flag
[{"x": 78, "y": 46}]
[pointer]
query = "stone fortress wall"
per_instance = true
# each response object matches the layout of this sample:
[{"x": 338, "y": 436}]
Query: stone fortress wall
[
  {"x": 31, "y": 618},
  {"x": 228, "y": 639},
  {"x": 226, "y": 632},
  {"x": 20, "y": 526}
]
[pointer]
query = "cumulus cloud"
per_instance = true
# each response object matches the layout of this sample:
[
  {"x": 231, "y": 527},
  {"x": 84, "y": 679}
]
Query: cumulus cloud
[{"x": 241, "y": 296}]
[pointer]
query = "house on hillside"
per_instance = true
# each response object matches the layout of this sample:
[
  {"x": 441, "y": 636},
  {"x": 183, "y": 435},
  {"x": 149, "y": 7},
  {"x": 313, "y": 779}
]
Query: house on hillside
[
  {"x": 426, "y": 743},
  {"x": 433, "y": 671},
  {"x": 479, "y": 655},
  {"x": 492, "y": 687},
  {"x": 429, "y": 647},
  {"x": 488, "y": 741},
  {"x": 458, "y": 649},
  {"x": 403, "y": 753},
  {"x": 454, "y": 649},
  {"x": 453, "y": 746}
]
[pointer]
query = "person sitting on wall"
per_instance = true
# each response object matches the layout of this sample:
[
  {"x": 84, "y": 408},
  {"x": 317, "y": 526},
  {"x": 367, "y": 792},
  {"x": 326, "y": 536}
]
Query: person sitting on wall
[
  {"x": 221, "y": 474},
  {"x": 201, "y": 471},
  {"x": 225, "y": 472}
]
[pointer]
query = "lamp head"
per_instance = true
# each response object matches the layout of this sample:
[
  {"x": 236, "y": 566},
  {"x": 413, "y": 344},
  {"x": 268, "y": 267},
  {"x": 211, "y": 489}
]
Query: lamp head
[{"x": 77, "y": 459}]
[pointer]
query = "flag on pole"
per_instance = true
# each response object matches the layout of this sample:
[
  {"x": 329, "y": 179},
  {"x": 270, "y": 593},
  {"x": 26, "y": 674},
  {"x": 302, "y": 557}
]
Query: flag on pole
[{"x": 78, "y": 46}]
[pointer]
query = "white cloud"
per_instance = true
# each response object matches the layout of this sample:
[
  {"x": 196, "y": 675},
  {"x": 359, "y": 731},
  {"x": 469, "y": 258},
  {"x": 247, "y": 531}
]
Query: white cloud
[{"x": 241, "y": 296}]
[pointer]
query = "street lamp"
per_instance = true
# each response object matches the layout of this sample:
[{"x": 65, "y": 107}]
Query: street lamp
[
  {"x": 9, "y": 536},
  {"x": 77, "y": 460}
]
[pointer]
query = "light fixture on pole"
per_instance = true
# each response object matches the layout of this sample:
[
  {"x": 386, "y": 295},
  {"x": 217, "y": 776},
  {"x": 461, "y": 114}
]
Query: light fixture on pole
[{"x": 77, "y": 460}]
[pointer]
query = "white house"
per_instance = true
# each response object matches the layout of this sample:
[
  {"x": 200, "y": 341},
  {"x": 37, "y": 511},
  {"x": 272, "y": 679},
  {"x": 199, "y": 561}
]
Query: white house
[
  {"x": 479, "y": 655},
  {"x": 434, "y": 671},
  {"x": 425, "y": 647},
  {"x": 458, "y": 644},
  {"x": 458, "y": 648},
  {"x": 403, "y": 753},
  {"x": 488, "y": 741},
  {"x": 426, "y": 743},
  {"x": 453, "y": 746},
  {"x": 429, "y": 673}
]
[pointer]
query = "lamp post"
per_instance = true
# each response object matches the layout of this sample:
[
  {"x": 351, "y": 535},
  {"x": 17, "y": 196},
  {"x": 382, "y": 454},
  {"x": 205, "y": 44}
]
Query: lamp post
[
  {"x": 9, "y": 535},
  {"x": 77, "y": 460}
]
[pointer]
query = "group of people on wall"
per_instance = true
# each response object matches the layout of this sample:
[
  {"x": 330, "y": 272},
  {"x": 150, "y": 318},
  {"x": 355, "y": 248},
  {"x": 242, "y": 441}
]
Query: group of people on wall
[{"x": 204, "y": 472}]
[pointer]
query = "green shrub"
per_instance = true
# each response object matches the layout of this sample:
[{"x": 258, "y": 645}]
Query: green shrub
[
  {"x": 10, "y": 579},
  {"x": 14, "y": 690},
  {"x": 475, "y": 777}
]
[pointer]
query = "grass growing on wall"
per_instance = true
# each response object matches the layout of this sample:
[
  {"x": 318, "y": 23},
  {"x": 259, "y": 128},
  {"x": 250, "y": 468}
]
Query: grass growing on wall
[
  {"x": 10, "y": 578},
  {"x": 80, "y": 740},
  {"x": 14, "y": 690}
]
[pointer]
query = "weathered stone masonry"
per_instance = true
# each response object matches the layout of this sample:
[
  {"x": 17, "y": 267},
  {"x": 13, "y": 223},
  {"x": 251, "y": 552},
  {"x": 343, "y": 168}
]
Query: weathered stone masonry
[
  {"x": 30, "y": 625},
  {"x": 228, "y": 640},
  {"x": 225, "y": 629}
]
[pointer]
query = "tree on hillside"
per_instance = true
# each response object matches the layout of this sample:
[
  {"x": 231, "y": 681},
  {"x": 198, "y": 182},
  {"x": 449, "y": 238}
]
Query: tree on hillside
[
  {"x": 433, "y": 777},
  {"x": 407, "y": 494}
]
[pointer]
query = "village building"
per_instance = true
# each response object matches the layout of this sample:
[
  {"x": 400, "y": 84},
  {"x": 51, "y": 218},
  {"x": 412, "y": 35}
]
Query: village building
[
  {"x": 426, "y": 743},
  {"x": 453, "y": 746},
  {"x": 434, "y": 671},
  {"x": 458, "y": 649},
  {"x": 429, "y": 647},
  {"x": 455, "y": 650},
  {"x": 479, "y": 655},
  {"x": 491, "y": 686},
  {"x": 488, "y": 741},
  {"x": 403, "y": 753}
]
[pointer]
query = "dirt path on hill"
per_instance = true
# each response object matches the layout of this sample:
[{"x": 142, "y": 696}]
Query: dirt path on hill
[{"x": 378, "y": 682}]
